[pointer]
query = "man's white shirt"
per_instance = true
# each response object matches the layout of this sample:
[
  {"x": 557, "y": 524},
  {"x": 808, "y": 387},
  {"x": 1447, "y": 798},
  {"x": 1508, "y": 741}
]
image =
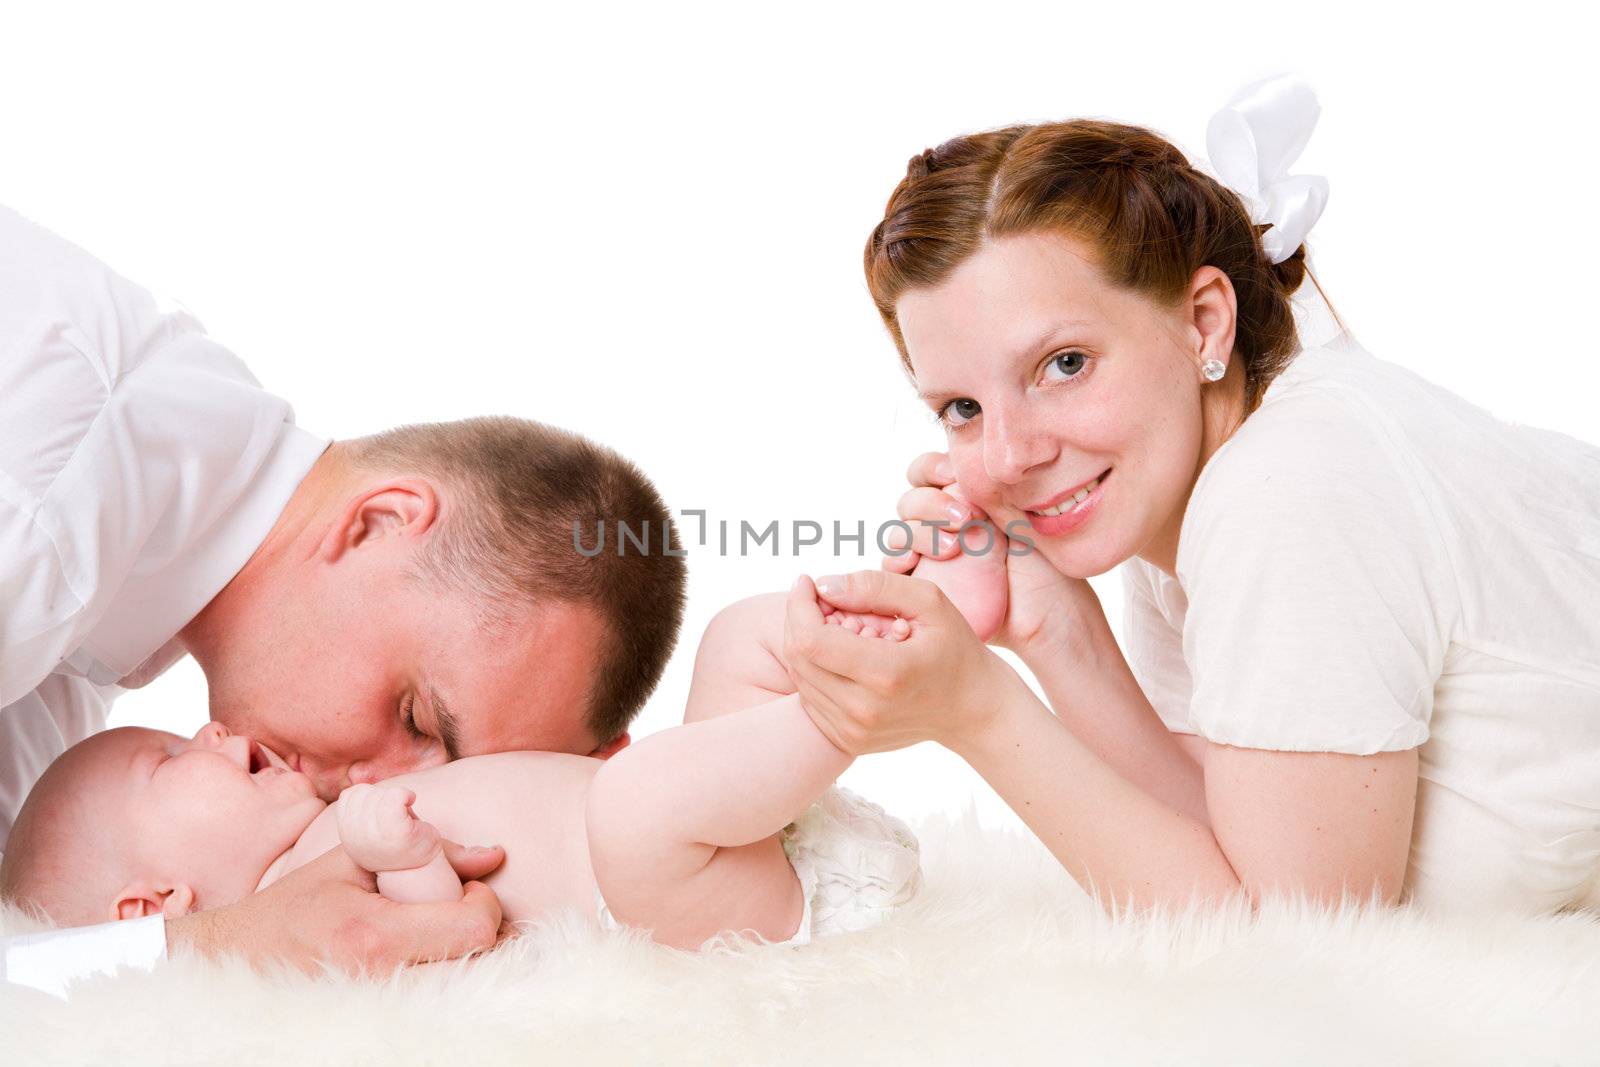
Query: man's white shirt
[{"x": 141, "y": 465}]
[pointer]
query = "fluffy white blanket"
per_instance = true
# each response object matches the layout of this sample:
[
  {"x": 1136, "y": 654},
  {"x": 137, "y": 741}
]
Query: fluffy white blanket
[{"x": 1001, "y": 959}]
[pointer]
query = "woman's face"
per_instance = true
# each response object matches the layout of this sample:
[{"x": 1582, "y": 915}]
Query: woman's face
[{"x": 1047, "y": 378}]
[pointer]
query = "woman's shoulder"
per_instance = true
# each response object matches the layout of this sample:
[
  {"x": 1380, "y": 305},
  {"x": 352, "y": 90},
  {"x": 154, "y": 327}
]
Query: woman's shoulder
[
  {"x": 1351, "y": 424},
  {"x": 1324, "y": 430},
  {"x": 1334, "y": 392},
  {"x": 1324, "y": 459}
]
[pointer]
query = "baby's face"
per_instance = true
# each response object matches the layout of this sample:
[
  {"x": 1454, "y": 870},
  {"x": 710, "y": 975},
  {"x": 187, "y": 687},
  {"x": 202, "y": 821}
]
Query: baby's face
[{"x": 211, "y": 812}]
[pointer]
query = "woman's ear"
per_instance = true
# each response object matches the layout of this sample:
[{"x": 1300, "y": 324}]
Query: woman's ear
[
  {"x": 143, "y": 897},
  {"x": 1213, "y": 314},
  {"x": 398, "y": 506}
]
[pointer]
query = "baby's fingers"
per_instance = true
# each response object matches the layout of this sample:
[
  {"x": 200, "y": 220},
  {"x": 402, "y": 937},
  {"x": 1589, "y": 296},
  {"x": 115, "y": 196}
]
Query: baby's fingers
[{"x": 398, "y": 799}]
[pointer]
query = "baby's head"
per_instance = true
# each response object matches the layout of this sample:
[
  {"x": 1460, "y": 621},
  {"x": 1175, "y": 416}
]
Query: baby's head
[{"x": 134, "y": 821}]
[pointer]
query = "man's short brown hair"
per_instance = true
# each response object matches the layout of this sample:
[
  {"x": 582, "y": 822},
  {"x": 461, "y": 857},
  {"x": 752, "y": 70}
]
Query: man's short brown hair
[{"x": 530, "y": 495}]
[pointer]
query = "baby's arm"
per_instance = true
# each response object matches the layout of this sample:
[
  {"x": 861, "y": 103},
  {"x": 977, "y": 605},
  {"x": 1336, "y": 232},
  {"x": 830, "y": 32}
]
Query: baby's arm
[{"x": 380, "y": 833}]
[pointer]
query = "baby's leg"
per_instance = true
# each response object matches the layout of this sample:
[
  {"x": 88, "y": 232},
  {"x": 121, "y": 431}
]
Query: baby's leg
[
  {"x": 739, "y": 663},
  {"x": 380, "y": 832}
]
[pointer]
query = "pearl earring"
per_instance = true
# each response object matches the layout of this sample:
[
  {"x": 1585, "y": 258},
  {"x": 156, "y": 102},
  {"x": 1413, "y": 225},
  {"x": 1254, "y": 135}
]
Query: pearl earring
[{"x": 1213, "y": 369}]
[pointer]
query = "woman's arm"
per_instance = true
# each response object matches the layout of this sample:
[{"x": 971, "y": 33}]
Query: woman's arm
[
  {"x": 1090, "y": 687},
  {"x": 1314, "y": 822},
  {"x": 1320, "y": 823}
]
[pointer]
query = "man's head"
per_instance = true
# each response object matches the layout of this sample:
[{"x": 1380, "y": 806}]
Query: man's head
[
  {"x": 424, "y": 597},
  {"x": 134, "y": 821}
]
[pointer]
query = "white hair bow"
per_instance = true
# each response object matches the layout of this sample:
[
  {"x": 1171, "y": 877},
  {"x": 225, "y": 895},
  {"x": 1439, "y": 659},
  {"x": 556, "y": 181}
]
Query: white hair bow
[{"x": 1252, "y": 141}]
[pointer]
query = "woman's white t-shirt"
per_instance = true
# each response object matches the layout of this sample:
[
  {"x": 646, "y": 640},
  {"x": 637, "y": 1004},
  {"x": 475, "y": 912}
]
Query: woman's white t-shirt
[{"x": 1371, "y": 563}]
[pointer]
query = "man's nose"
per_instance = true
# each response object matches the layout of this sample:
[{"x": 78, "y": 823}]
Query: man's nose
[
  {"x": 328, "y": 779},
  {"x": 376, "y": 770},
  {"x": 1012, "y": 444}
]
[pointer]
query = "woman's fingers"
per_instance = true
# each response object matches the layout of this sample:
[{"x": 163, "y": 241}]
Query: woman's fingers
[
  {"x": 931, "y": 468},
  {"x": 933, "y": 517},
  {"x": 826, "y": 715},
  {"x": 879, "y": 593},
  {"x": 809, "y": 642},
  {"x": 901, "y": 564}
]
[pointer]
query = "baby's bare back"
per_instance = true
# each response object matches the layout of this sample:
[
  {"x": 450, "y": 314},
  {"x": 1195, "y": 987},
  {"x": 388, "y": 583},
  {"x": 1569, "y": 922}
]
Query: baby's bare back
[{"x": 532, "y": 803}]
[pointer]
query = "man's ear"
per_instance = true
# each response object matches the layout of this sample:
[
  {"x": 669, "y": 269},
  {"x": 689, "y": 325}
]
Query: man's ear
[
  {"x": 611, "y": 748},
  {"x": 144, "y": 897},
  {"x": 396, "y": 507}
]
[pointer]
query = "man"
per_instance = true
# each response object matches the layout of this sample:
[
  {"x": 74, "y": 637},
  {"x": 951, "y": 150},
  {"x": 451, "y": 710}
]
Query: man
[{"x": 364, "y": 607}]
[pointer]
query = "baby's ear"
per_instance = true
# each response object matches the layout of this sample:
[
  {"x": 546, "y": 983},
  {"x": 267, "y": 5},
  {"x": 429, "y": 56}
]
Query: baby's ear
[{"x": 144, "y": 897}]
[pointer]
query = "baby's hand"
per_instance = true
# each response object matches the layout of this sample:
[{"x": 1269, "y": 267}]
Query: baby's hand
[{"x": 380, "y": 832}]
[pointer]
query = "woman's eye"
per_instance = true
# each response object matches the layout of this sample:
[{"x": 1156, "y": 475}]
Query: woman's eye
[
  {"x": 958, "y": 412},
  {"x": 1066, "y": 365}
]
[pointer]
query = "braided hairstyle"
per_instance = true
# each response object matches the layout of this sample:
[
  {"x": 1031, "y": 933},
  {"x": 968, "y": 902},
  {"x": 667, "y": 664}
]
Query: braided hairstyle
[{"x": 1125, "y": 190}]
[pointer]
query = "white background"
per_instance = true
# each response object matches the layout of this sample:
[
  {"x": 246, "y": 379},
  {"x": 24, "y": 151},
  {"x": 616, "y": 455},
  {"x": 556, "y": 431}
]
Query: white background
[{"x": 646, "y": 223}]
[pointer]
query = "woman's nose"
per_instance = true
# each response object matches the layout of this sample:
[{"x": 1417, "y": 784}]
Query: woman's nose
[{"x": 1012, "y": 446}]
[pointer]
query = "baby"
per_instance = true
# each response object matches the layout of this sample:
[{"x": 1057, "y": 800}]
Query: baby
[{"x": 688, "y": 832}]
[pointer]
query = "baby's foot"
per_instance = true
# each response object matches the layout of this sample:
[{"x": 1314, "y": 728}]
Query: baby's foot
[
  {"x": 380, "y": 832},
  {"x": 865, "y": 623},
  {"x": 975, "y": 578}
]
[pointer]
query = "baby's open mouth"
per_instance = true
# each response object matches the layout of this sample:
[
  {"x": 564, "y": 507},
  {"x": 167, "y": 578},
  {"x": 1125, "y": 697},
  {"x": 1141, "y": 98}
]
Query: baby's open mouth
[{"x": 263, "y": 758}]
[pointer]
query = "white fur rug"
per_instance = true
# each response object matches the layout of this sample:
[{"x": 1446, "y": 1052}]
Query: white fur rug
[{"x": 1000, "y": 960}]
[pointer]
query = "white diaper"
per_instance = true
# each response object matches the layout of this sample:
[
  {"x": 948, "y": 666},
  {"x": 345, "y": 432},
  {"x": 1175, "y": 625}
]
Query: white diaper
[{"x": 855, "y": 861}]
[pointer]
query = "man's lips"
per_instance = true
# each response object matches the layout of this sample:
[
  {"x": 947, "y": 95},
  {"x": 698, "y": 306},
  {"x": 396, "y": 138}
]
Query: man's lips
[{"x": 1062, "y": 498}]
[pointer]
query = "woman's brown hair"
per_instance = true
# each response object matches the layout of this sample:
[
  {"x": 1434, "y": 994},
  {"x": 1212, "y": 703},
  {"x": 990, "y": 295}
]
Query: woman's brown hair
[{"x": 1128, "y": 192}]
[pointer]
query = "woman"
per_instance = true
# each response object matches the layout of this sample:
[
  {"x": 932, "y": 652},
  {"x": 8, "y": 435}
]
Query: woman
[{"x": 1363, "y": 615}]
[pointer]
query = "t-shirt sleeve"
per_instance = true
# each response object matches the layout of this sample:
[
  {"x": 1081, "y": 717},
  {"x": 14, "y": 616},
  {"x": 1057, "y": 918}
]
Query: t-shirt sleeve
[
  {"x": 1154, "y": 648},
  {"x": 1317, "y": 586}
]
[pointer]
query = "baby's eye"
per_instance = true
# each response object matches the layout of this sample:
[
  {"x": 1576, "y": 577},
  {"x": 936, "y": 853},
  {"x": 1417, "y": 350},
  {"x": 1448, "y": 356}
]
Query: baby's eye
[
  {"x": 1065, "y": 365},
  {"x": 959, "y": 412}
]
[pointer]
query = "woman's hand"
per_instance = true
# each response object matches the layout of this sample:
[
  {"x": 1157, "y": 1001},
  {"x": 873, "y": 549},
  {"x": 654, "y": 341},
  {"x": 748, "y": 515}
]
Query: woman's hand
[
  {"x": 1048, "y": 613},
  {"x": 870, "y": 694},
  {"x": 923, "y": 505}
]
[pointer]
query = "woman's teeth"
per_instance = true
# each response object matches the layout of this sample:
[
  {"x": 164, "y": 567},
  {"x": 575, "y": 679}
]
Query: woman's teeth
[{"x": 1072, "y": 501}]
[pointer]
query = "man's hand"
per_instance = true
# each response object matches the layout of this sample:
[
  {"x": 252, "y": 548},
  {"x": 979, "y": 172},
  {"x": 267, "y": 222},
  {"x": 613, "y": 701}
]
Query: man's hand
[{"x": 329, "y": 910}]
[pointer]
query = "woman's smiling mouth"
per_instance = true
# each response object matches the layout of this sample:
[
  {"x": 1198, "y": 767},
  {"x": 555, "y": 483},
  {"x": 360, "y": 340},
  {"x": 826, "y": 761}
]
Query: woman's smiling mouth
[
  {"x": 1070, "y": 509},
  {"x": 1066, "y": 501}
]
